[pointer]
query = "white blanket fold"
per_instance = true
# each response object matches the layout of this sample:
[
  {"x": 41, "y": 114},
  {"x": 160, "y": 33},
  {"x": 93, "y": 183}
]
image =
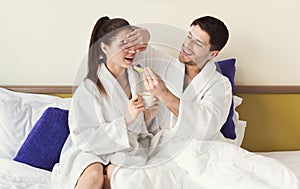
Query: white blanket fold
[{"x": 223, "y": 166}]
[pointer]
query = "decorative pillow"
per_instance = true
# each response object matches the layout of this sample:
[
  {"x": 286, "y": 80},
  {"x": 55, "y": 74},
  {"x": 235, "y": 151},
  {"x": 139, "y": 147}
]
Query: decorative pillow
[
  {"x": 43, "y": 145},
  {"x": 227, "y": 68},
  {"x": 18, "y": 114},
  {"x": 240, "y": 125}
]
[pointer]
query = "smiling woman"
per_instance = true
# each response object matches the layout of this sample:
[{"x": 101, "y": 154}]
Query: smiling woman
[{"x": 106, "y": 118}]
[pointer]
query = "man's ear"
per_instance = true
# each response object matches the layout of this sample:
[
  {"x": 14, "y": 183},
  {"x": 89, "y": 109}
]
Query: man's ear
[
  {"x": 213, "y": 54},
  {"x": 104, "y": 48}
]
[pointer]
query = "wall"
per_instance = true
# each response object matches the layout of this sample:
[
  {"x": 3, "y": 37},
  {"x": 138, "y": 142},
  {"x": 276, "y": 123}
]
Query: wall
[{"x": 43, "y": 42}]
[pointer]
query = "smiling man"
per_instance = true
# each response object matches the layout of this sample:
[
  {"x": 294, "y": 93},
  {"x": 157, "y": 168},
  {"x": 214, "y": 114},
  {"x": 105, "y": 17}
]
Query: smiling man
[{"x": 202, "y": 97}]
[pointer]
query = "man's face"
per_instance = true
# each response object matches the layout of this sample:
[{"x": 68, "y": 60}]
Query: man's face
[{"x": 195, "y": 48}]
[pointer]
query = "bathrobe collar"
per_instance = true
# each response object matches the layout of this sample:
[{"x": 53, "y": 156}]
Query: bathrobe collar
[
  {"x": 200, "y": 81},
  {"x": 117, "y": 96}
]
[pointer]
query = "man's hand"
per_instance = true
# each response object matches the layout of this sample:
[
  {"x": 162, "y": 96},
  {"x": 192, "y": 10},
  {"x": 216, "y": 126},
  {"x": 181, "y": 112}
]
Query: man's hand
[
  {"x": 137, "y": 40},
  {"x": 153, "y": 83},
  {"x": 156, "y": 86}
]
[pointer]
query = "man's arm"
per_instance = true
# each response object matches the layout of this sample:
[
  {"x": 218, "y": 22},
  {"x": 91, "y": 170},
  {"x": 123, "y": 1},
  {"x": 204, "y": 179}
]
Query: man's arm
[{"x": 171, "y": 101}]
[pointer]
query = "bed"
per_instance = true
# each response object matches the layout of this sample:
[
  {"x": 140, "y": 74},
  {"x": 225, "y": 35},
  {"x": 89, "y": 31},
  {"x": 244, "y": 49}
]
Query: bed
[
  {"x": 289, "y": 158},
  {"x": 21, "y": 112}
]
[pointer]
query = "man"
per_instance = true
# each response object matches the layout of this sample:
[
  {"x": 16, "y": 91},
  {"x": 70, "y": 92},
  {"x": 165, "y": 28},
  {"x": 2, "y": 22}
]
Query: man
[
  {"x": 199, "y": 97},
  {"x": 202, "y": 96}
]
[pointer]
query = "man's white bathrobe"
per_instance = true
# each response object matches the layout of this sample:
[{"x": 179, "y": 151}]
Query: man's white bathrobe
[
  {"x": 185, "y": 155},
  {"x": 204, "y": 107},
  {"x": 204, "y": 104},
  {"x": 98, "y": 131}
]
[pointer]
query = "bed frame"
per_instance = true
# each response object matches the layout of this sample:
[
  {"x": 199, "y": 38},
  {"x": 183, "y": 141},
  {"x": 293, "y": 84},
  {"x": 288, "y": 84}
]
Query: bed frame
[
  {"x": 271, "y": 112},
  {"x": 239, "y": 89}
]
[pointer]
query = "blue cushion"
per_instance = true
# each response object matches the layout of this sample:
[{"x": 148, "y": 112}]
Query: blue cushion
[
  {"x": 43, "y": 145},
  {"x": 227, "y": 68}
]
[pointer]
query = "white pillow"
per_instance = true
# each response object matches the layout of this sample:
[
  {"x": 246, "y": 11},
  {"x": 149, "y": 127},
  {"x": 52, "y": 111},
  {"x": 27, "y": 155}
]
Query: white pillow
[
  {"x": 18, "y": 114},
  {"x": 240, "y": 125}
]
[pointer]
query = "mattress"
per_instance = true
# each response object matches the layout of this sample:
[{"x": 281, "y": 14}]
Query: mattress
[{"x": 289, "y": 158}]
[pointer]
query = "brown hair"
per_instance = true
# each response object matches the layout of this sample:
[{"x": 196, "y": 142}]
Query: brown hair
[
  {"x": 216, "y": 29},
  {"x": 104, "y": 27}
]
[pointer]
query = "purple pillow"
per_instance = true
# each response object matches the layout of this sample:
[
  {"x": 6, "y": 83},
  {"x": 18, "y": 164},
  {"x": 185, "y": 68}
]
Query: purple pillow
[
  {"x": 227, "y": 68},
  {"x": 44, "y": 143}
]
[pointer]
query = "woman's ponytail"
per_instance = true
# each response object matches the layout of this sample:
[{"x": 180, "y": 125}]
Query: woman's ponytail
[
  {"x": 95, "y": 54},
  {"x": 104, "y": 31}
]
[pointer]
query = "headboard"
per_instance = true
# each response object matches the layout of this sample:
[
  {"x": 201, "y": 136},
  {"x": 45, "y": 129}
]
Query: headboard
[
  {"x": 271, "y": 112},
  {"x": 272, "y": 115}
]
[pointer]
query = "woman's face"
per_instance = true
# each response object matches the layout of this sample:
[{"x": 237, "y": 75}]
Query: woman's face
[{"x": 116, "y": 57}]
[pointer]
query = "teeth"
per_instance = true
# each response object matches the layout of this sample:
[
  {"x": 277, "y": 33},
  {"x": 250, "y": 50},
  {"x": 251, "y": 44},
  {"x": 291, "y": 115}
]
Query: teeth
[{"x": 186, "y": 52}]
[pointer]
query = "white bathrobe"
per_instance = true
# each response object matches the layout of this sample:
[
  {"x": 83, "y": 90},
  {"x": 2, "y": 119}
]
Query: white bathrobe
[
  {"x": 204, "y": 104},
  {"x": 98, "y": 130},
  {"x": 204, "y": 107},
  {"x": 186, "y": 155}
]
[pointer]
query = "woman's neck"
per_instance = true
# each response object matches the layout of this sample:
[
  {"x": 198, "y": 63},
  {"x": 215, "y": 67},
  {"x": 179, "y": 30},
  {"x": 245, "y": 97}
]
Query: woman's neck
[
  {"x": 115, "y": 70},
  {"x": 120, "y": 74},
  {"x": 124, "y": 83}
]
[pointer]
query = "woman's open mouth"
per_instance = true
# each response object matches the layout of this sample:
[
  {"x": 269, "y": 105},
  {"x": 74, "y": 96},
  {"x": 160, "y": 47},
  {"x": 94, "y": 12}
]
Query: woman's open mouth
[{"x": 129, "y": 59}]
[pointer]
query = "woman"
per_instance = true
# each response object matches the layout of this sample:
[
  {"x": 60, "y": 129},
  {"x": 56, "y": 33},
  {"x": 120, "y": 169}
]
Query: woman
[{"x": 106, "y": 127}]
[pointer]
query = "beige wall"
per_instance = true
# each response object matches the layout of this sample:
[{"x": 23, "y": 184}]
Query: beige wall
[{"x": 43, "y": 42}]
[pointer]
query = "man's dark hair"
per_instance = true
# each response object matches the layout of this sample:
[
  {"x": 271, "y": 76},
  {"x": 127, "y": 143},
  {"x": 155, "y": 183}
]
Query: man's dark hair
[{"x": 216, "y": 29}]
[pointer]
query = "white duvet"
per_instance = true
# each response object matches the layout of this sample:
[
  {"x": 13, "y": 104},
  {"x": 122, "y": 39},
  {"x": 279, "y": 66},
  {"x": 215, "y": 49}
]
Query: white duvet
[{"x": 222, "y": 166}]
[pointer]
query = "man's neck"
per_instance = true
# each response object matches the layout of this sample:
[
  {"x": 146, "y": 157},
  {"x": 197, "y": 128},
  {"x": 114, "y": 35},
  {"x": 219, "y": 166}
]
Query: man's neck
[{"x": 190, "y": 72}]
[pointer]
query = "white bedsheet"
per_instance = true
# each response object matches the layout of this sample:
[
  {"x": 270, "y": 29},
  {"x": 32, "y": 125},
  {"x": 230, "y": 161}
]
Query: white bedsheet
[
  {"x": 223, "y": 166},
  {"x": 15, "y": 175},
  {"x": 289, "y": 158}
]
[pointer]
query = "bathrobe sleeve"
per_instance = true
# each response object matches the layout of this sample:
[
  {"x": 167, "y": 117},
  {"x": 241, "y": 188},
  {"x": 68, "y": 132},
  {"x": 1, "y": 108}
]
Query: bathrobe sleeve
[
  {"x": 172, "y": 73},
  {"x": 89, "y": 128}
]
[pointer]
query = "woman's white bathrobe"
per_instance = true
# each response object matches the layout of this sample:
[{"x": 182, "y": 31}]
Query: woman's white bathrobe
[{"x": 98, "y": 130}]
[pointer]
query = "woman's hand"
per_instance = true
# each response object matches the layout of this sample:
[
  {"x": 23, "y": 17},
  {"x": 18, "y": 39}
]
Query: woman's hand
[
  {"x": 137, "y": 40},
  {"x": 135, "y": 107},
  {"x": 151, "y": 112}
]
